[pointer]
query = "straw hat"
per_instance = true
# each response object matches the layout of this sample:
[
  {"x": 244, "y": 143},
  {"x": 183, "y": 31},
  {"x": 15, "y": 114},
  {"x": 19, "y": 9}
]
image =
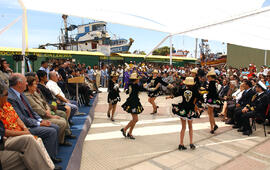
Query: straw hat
[
  {"x": 114, "y": 74},
  {"x": 189, "y": 81},
  {"x": 155, "y": 72},
  {"x": 195, "y": 70},
  {"x": 134, "y": 76},
  {"x": 211, "y": 72}
]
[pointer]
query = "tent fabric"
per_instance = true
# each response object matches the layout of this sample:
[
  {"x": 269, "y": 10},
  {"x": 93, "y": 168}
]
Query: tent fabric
[{"x": 174, "y": 16}]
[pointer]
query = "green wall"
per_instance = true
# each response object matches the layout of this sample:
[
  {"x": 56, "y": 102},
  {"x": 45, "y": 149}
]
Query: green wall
[
  {"x": 239, "y": 56},
  {"x": 88, "y": 60}
]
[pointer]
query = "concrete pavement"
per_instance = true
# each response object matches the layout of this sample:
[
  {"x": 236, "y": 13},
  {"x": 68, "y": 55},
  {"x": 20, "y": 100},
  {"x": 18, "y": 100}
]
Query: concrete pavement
[{"x": 157, "y": 139}]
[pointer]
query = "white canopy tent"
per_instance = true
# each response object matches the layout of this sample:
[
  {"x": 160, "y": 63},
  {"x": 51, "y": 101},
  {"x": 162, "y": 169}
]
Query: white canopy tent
[{"x": 241, "y": 22}]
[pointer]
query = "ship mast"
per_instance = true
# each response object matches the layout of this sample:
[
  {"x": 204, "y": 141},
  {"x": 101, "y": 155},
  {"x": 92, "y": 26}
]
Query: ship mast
[{"x": 66, "y": 31}]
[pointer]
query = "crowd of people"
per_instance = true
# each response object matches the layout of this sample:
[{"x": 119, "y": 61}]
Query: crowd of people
[
  {"x": 234, "y": 94},
  {"x": 39, "y": 106}
]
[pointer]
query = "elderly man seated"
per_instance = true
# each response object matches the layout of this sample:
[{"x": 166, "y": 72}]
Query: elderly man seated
[
  {"x": 20, "y": 148},
  {"x": 41, "y": 107},
  {"x": 56, "y": 91},
  {"x": 44, "y": 129}
]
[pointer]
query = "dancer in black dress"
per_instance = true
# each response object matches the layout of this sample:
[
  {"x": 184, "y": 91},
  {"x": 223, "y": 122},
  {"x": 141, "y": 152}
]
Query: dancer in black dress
[
  {"x": 132, "y": 104},
  {"x": 113, "y": 96},
  {"x": 212, "y": 99},
  {"x": 153, "y": 86},
  {"x": 186, "y": 109},
  {"x": 197, "y": 86}
]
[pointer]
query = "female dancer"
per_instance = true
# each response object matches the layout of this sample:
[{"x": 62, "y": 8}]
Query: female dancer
[
  {"x": 212, "y": 99},
  {"x": 113, "y": 96},
  {"x": 197, "y": 85},
  {"x": 186, "y": 109},
  {"x": 153, "y": 87},
  {"x": 132, "y": 105}
]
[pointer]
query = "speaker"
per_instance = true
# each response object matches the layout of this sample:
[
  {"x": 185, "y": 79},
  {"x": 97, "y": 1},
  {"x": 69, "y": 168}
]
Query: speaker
[
  {"x": 32, "y": 57},
  {"x": 18, "y": 57}
]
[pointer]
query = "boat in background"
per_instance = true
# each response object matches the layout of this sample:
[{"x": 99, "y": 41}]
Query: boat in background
[
  {"x": 91, "y": 37},
  {"x": 210, "y": 59}
]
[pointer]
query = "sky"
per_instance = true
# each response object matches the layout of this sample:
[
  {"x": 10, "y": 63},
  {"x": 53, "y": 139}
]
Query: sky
[{"x": 45, "y": 28}]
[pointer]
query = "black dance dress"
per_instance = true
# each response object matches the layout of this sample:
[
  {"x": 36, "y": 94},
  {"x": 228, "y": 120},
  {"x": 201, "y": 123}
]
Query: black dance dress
[
  {"x": 186, "y": 109},
  {"x": 152, "y": 83},
  {"x": 132, "y": 104},
  {"x": 113, "y": 96},
  {"x": 212, "y": 96}
]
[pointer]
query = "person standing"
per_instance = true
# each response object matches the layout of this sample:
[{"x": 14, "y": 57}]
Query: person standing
[
  {"x": 113, "y": 95},
  {"x": 212, "y": 99},
  {"x": 186, "y": 109},
  {"x": 153, "y": 86},
  {"x": 132, "y": 105}
]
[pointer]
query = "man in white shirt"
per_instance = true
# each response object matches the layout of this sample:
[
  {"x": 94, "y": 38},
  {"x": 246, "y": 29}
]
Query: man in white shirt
[
  {"x": 57, "y": 92},
  {"x": 45, "y": 67}
]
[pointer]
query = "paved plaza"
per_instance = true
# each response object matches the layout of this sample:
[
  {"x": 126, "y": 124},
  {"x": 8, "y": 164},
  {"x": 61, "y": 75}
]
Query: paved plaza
[{"x": 157, "y": 140}]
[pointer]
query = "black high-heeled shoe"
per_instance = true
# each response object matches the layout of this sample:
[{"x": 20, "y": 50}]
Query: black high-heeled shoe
[
  {"x": 130, "y": 136},
  {"x": 181, "y": 147},
  {"x": 108, "y": 114},
  {"x": 215, "y": 127},
  {"x": 212, "y": 131},
  {"x": 123, "y": 132}
]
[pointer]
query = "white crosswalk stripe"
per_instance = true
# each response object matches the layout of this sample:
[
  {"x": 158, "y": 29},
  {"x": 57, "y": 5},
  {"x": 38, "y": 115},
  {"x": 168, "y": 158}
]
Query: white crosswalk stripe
[{"x": 149, "y": 130}]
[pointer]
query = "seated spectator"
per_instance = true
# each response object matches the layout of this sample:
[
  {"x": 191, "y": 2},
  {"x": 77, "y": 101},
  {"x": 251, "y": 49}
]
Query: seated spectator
[
  {"x": 60, "y": 109},
  {"x": 227, "y": 99},
  {"x": 245, "y": 99},
  {"x": 57, "y": 92},
  {"x": 256, "y": 109},
  {"x": 21, "y": 150},
  {"x": 5, "y": 71},
  {"x": 41, "y": 107},
  {"x": 44, "y": 129}
]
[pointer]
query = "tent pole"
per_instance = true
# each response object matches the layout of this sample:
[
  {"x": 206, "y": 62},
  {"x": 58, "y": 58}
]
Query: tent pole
[
  {"x": 265, "y": 57},
  {"x": 196, "y": 45},
  {"x": 24, "y": 35},
  {"x": 10, "y": 25},
  {"x": 170, "y": 50},
  {"x": 164, "y": 39}
]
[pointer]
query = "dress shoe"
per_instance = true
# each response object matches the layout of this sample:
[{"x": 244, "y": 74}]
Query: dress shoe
[
  {"x": 235, "y": 126},
  {"x": 130, "y": 136},
  {"x": 71, "y": 136},
  {"x": 123, "y": 132},
  {"x": 212, "y": 131},
  {"x": 247, "y": 132},
  {"x": 215, "y": 127},
  {"x": 181, "y": 147},
  {"x": 66, "y": 143},
  {"x": 108, "y": 114},
  {"x": 112, "y": 119},
  {"x": 57, "y": 168},
  {"x": 56, "y": 160}
]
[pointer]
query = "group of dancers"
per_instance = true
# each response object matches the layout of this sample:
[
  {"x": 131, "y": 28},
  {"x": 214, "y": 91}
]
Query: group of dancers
[{"x": 187, "y": 110}]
